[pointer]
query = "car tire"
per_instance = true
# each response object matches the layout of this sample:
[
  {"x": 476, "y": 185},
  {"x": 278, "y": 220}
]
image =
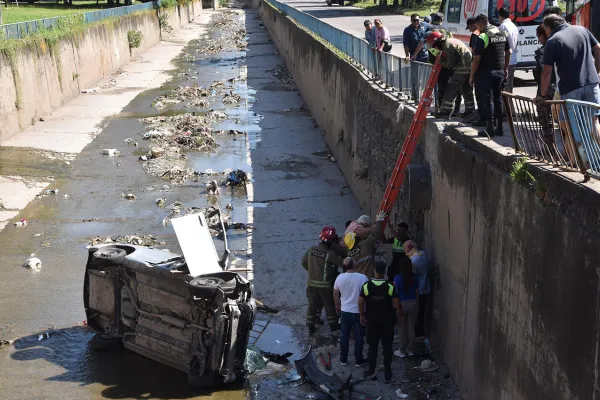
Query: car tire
[
  {"x": 207, "y": 286},
  {"x": 101, "y": 343},
  {"x": 111, "y": 254},
  {"x": 207, "y": 381}
]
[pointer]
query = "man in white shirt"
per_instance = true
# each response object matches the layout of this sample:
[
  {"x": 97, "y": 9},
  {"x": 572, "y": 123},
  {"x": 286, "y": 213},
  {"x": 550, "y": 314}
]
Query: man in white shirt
[
  {"x": 513, "y": 36},
  {"x": 346, "y": 291}
]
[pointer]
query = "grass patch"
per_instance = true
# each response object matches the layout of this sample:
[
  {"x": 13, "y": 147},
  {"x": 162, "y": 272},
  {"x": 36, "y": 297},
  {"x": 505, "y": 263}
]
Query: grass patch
[
  {"x": 135, "y": 39},
  {"x": 223, "y": 3},
  {"x": 423, "y": 8},
  {"x": 40, "y": 10}
]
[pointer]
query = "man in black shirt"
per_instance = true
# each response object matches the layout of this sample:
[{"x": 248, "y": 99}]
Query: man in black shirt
[{"x": 383, "y": 310}]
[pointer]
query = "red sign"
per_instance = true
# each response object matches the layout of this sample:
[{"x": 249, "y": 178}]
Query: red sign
[
  {"x": 582, "y": 16},
  {"x": 532, "y": 11},
  {"x": 470, "y": 8}
]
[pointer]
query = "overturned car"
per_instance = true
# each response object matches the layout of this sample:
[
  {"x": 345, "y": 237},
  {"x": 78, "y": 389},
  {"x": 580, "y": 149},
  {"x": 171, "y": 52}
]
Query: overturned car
[{"x": 186, "y": 312}]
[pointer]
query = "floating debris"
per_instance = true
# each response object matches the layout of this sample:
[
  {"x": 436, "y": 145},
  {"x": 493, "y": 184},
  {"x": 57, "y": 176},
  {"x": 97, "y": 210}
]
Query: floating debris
[
  {"x": 212, "y": 187},
  {"x": 110, "y": 152},
  {"x": 237, "y": 178},
  {"x": 200, "y": 103},
  {"x": 131, "y": 141},
  {"x": 51, "y": 191},
  {"x": 231, "y": 98},
  {"x": 216, "y": 115},
  {"x": 22, "y": 222},
  {"x": 33, "y": 263},
  {"x": 161, "y": 202},
  {"x": 128, "y": 196}
]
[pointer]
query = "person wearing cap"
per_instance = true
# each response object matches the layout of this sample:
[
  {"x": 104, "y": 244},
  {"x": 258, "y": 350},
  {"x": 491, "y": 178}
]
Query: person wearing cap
[
  {"x": 380, "y": 310},
  {"x": 322, "y": 262},
  {"x": 370, "y": 37},
  {"x": 362, "y": 249},
  {"x": 346, "y": 291},
  {"x": 455, "y": 57},
  {"x": 420, "y": 268}
]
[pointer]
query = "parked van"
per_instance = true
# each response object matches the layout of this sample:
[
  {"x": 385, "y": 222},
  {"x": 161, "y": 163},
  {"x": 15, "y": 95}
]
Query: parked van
[{"x": 526, "y": 14}]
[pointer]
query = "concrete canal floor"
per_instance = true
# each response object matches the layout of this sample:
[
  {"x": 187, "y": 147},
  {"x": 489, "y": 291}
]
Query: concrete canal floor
[{"x": 294, "y": 191}]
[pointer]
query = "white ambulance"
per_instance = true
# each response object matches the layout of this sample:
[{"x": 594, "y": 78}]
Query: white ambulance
[{"x": 526, "y": 14}]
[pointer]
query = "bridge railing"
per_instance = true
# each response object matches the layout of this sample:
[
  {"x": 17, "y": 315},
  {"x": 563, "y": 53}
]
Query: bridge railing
[
  {"x": 21, "y": 29},
  {"x": 406, "y": 77},
  {"x": 562, "y": 133}
]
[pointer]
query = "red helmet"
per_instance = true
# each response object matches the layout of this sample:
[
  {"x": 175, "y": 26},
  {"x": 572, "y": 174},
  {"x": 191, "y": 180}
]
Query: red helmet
[
  {"x": 328, "y": 234},
  {"x": 433, "y": 37}
]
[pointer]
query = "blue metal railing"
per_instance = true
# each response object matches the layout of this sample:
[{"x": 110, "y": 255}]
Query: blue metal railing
[
  {"x": 407, "y": 77},
  {"x": 21, "y": 29},
  {"x": 583, "y": 120}
]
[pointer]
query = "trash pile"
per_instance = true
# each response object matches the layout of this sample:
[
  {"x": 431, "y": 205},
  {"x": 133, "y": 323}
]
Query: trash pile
[
  {"x": 282, "y": 73},
  {"x": 171, "y": 137},
  {"x": 231, "y": 98},
  {"x": 233, "y": 34},
  {"x": 262, "y": 363},
  {"x": 183, "y": 93},
  {"x": 142, "y": 240}
]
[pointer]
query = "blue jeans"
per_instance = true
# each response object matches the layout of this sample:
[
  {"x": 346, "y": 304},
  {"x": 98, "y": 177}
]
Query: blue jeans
[{"x": 351, "y": 323}]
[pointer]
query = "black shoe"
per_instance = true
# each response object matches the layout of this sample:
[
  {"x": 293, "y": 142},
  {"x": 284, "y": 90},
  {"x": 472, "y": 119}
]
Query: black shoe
[
  {"x": 311, "y": 331},
  {"x": 441, "y": 115},
  {"x": 319, "y": 322},
  {"x": 467, "y": 114},
  {"x": 481, "y": 122},
  {"x": 488, "y": 131},
  {"x": 498, "y": 130},
  {"x": 361, "y": 363},
  {"x": 335, "y": 328},
  {"x": 370, "y": 376}
]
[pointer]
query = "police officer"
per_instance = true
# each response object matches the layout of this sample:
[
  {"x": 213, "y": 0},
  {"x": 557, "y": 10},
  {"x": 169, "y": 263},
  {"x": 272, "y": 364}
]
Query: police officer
[
  {"x": 456, "y": 57},
  {"x": 322, "y": 264},
  {"x": 400, "y": 235},
  {"x": 488, "y": 70},
  {"x": 380, "y": 310}
]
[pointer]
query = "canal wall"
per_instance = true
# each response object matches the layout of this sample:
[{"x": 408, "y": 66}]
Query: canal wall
[
  {"x": 38, "y": 77},
  {"x": 516, "y": 287}
]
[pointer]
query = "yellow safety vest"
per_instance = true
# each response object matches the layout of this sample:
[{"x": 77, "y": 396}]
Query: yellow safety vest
[
  {"x": 378, "y": 283},
  {"x": 398, "y": 246}
]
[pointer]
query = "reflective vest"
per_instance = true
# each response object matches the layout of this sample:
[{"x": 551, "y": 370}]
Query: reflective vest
[
  {"x": 379, "y": 296},
  {"x": 378, "y": 283},
  {"x": 398, "y": 246},
  {"x": 494, "y": 41}
]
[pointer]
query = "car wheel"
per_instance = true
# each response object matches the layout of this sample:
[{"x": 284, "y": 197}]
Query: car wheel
[
  {"x": 209, "y": 380},
  {"x": 112, "y": 254},
  {"x": 101, "y": 343},
  {"x": 207, "y": 286}
]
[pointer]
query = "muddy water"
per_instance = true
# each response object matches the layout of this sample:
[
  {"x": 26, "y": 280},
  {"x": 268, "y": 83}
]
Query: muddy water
[{"x": 60, "y": 365}]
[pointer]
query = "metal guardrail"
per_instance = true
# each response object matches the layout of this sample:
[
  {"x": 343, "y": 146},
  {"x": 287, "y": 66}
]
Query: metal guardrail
[
  {"x": 21, "y": 29},
  {"x": 404, "y": 76},
  {"x": 563, "y": 133}
]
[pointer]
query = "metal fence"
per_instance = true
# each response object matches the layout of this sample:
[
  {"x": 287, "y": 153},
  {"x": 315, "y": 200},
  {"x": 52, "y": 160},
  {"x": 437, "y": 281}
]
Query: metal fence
[
  {"x": 563, "y": 133},
  {"x": 21, "y": 29},
  {"x": 406, "y": 77}
]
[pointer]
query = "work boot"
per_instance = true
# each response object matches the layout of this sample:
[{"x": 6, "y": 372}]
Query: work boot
[
  {"x": 489, "y": 129},
  {"x": 311, "y": 331},
  {"x": 335, "y": 328},
  {"x": 498, "y": 130},
  {"x": 442, "y": 115},
  {"x": 467, "y": 113}
]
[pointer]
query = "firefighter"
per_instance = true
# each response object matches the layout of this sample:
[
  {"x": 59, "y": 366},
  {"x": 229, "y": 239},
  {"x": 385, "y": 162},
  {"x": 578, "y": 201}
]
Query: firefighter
[
  {"x": 491, "y": 56},
  {"x": 456, "y": 57},
  {"x": 437, "y": 21},
  {"x": 322, "y": 263},
  {"x": 362, "y": 250}
]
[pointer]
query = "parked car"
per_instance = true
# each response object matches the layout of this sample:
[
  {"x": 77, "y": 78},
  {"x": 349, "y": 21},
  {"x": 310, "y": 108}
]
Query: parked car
[
  {"x": 187, "y": 312},
  {"x": 330, "y": 2}
]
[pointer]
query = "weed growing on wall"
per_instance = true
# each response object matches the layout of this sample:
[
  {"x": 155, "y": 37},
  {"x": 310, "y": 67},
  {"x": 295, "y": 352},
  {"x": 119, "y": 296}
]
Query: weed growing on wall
[
  {"x": 163, "y": 22},
  {"x": 135, "y": 39},
  {"x": 520, "y": 175},
  {"x": 168, "y": 3}
]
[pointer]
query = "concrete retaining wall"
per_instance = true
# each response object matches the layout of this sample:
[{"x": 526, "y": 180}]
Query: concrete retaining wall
[
  {"x": 46, "y": 79},
  {"x": 516, "y": 288}
]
